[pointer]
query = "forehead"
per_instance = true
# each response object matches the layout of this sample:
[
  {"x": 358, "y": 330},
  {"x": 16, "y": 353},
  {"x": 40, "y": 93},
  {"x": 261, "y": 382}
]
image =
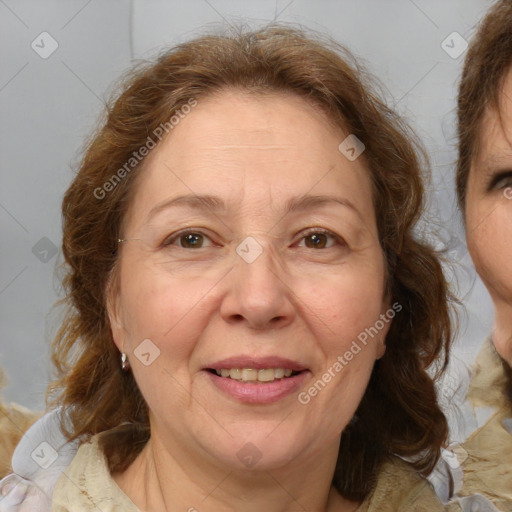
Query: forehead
[
  {"x": 252, "y": 149},
  {"x": 494, "y": 145}
]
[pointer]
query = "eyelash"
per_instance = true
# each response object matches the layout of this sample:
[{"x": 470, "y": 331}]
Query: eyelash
[
  {"x": 497, "y": 178},
  {"x": 311, "y": 231}
]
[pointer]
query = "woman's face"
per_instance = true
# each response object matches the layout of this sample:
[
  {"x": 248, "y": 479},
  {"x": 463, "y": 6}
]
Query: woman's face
[
  {"x": 252, "y": 252},
  {"x": 489, "y": 214}
]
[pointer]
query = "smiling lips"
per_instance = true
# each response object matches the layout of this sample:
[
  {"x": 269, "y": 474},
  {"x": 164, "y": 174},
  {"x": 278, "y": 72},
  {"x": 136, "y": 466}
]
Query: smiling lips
[{"x": 261, "y": 380}]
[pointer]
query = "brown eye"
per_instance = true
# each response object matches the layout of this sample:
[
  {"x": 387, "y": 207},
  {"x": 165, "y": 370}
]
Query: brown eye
[
  {"x": 320, "y": 239},
  {"x": 316, "y": 241},
  {"x": 191, "y": 240},
  {"x": 187, "y": 240}
]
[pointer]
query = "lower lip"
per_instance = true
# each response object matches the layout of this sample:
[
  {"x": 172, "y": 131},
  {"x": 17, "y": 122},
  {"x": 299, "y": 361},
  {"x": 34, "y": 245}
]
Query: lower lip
[{"x": 258, "y": 392}]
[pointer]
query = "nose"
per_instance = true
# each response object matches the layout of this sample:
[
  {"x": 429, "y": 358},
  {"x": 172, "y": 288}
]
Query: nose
[{"x": 258, "y": 294}]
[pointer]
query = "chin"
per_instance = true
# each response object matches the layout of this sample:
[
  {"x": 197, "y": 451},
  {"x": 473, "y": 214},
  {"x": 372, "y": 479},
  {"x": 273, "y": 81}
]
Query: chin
[
  {"x": 502, "y": 335},
  {"x": 258, "y": 452}
]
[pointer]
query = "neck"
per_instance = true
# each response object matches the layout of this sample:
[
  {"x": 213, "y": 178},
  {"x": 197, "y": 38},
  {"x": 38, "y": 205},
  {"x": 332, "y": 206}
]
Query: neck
[{"x": 166, "y": 477}]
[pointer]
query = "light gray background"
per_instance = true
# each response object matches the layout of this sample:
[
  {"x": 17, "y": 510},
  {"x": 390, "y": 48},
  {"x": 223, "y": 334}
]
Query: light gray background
[{"x": 48, "y": 106}]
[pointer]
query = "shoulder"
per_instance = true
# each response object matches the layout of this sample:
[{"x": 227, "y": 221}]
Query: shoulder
[
  {"x": 87, "y": 484},
  {"x": 487, "y": 468},
  {"x": 400, "y": 488},
  {"x": 487, "y": 464}
]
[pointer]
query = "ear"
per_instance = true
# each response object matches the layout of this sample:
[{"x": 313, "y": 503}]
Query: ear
[
  {"x": 381, "y": 346},
  {"x": 113, "y": 305},
  {"x": 388, "y": 312}
]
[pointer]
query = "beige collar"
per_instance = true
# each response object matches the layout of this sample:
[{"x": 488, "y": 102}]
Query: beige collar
[{"x": 487, "y": 387}]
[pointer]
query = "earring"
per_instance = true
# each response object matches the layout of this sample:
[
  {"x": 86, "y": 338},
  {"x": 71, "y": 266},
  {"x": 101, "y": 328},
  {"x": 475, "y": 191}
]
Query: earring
[
  {"x": 125, "y": 364},
  {"x": 354, "y": 419}
]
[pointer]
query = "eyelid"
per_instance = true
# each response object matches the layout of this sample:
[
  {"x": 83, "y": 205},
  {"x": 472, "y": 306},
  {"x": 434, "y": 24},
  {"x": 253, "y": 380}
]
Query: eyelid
[{"x": 498, "y": 176}]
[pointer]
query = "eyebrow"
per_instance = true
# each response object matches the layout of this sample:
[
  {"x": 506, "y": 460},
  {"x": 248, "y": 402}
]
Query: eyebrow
[
  {"x": 216, "y": 204},
  {"x": 495, "y": 160}
]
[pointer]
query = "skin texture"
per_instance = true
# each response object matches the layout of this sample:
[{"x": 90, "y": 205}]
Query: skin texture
[
  {"x": 201, "y": 305},
  {"x": 489, "y": 214}
]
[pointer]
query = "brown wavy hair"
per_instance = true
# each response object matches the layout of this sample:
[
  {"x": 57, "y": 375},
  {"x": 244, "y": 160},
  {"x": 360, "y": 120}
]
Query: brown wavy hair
[{"x": 399, "y": 414}]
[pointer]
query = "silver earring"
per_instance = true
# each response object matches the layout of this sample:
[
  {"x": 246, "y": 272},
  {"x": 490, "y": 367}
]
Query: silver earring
[{"x": 125, "y": 364}]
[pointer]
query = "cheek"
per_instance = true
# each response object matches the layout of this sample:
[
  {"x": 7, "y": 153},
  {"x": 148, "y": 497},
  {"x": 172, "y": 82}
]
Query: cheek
[
  {"x": 162, "y": 307},
  {"x": 171, "y": 313},
  {"x": 348, "y": 300},
  {"x": 490, "y": 246},
  {"x": 343, "y": 314},
  {"x": 341, "y": 384}
]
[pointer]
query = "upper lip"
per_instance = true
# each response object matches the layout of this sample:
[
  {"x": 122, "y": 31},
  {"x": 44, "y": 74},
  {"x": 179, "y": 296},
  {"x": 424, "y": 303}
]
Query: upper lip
[{"x": 257, "y": 363}]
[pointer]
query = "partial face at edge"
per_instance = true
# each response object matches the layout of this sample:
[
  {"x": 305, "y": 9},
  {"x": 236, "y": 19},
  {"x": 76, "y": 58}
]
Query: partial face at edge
[
  {"x": 489, "y": 214},
  {"x": 316, "y": 286}
]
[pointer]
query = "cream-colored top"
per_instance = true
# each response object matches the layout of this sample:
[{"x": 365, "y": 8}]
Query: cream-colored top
[
  {"x": 400, "y": 489},
  {"x": 88, "y": 486},
  {"x": 488, "y": 467}
]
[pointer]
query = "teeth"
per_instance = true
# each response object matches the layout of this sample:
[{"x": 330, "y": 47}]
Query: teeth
[
  {"x": 248, "y": 374},
  {"x": 279, "y": 373},
  {"x": 252, "y": 375},
  {"x": 266, "y": 375},
  {"x": 235, "y": 373}
]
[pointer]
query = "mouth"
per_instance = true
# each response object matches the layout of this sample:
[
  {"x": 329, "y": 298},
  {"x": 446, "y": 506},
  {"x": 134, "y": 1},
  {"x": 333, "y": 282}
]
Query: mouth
[{"x": 261, "y": 380}]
